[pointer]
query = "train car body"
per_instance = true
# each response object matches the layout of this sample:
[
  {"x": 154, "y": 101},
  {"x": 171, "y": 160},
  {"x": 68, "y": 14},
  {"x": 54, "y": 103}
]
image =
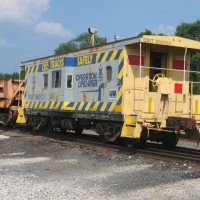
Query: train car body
[
  {"x": 11, "y": 94},
  {"x": 135, "y": 89}
]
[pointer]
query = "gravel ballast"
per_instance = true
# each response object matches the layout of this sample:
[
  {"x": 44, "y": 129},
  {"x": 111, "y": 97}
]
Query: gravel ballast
[{"x": 36, "y": 167}]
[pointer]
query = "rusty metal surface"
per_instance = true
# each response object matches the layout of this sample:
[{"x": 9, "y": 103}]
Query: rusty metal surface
[{"x": 10, "y": 90}]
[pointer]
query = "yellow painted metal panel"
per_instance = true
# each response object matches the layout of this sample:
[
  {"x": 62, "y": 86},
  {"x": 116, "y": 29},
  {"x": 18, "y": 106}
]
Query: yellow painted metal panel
[
  {"x": 149, "y": 104},
  {"x": 129, "y": 125},
  {"x": 97, "y": 57},
  {"x": 65, "y": 104},
  {"x": 41, "y": 105},
  {"x": 36, "y": 105},
  {"x": 121, "y": 56},
  {"x": 28, "y": 71},
  {"x": 113, "y": 55},
  {"x": 46, "y": 105},
  {"x": 37, "y": 68},
  {"x": 170, "y": 41},
  {"x": 128, "y": 131},
  {"x": 104, "y": 106},
  {"x": 119, "y": 94},
  {"x": 81, "y": 105},
  {"x": 130, "y": 119},
  {"x": 71, "y": 108},
  {"x": 21, "y": 118},
  {"x": 105, "y": 56},
  {"x": 75, "y": 104},
  {"x": 55, "y": 107},
  {"x": 94, "y": 108},
  {"x": 2, "y": 103},
  {"x": 118, "y": 108},
  {"x": 27, "y": 104},
  {"x": 131, "y": 128},
  {"x": 32, "y": 104},
  {"x": 88, "y": 106},
  {"x": 196, "y": 107},
  {"x": 120, "y": 74},
  {"x": 51, "y": 106},
  {"x": 32, "y": 69},
  {"x": 112, "y": 107}
]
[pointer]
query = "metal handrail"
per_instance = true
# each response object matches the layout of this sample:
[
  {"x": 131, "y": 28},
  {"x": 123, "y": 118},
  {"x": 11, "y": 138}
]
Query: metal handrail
[{"x": 167, "y": 69}]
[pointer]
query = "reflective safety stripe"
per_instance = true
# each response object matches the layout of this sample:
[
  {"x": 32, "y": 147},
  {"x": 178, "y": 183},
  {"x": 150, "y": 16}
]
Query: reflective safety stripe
[{"x": 73, "y": 106}]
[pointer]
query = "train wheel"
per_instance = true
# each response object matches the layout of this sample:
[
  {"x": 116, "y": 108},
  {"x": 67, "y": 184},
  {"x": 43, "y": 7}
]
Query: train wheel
[
  {"x": 78, "y": 130},
  {"x": 37, "y": 123},
  {"x": 49, "y": 129},
  {"x": 171, "y": 140},
  {"x": 131, "y": 142},
  {"x": 108, "y": 132},
  {"x": 5, "y": 120},
  {"x": 36, "y": 126},
  {"x": 63, "y": 130},
  {"x": 136, "y": 142}
]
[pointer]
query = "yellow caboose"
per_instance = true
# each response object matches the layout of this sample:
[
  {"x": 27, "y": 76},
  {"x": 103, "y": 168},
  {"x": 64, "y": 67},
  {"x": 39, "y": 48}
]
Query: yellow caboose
[
  {"x": 158, "y": 100},
  {"x": 137, "y": 89}
]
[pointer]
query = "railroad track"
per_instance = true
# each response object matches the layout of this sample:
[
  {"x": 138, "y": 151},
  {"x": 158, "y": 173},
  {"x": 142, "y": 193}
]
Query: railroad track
[
  {"x": 150, "y": 150},
  {"x": 177, "y": 154}
]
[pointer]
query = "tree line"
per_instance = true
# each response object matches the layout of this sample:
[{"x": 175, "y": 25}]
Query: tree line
[
  {"x": 186, "y": 30},
  {"x": 15, "y": 75}
]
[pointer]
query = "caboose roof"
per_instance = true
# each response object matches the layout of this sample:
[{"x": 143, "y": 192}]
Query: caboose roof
[{"x": 173, "y": 41}]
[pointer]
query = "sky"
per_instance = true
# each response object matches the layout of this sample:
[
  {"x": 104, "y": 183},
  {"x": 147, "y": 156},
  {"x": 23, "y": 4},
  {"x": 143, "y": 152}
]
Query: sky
[{"x": 32, "y": 29}]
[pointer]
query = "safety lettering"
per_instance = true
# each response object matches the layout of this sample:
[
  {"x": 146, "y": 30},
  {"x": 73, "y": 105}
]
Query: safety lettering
[{"x": 84, "y": 60}]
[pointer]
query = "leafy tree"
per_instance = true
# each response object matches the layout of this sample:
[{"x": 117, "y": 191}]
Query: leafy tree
[
  {"x": 195, "y": 66},
  {"x": 22, "y": 74},
  {"x": 146, "y": 32},
  {"x": 189, "y": 30},
  {"x": 80, "y": 42},
  {"x": 192, "y": 31},
  {"x": 14, "y": 75}
]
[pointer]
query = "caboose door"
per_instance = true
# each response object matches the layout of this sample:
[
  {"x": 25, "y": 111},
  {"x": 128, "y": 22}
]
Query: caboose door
[{"x": 157, "y": 65}]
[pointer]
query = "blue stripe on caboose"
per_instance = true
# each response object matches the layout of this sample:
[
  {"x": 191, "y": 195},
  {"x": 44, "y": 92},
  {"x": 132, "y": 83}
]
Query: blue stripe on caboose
[{"x": 70, "y": 61}]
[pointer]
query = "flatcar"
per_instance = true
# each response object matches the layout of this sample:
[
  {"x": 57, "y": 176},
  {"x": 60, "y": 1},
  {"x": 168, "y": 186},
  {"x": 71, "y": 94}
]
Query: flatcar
[{"x": 136, "y": 89}]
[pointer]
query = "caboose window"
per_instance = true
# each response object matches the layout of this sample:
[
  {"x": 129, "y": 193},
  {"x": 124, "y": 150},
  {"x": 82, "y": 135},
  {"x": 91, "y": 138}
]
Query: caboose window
[
  {"x": 112, "y": 94},
  {"x": 56, "y": 79},
  {"x": 45, "y": 80},
  {"x": 109, "y": 73},
  {"x": 69, "y": 81}
]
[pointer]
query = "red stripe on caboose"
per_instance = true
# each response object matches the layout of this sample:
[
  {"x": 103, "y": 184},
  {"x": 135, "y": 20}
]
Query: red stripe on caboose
[
  {"x": 179, "y": 64},
  {"x": 178, "y": 88},
  {"x": 135, "y": 60}
]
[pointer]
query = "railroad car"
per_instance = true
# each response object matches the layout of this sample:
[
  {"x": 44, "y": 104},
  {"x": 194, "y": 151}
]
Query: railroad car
[
  {"x": 11, "y": 93},
  {"x": 135, "y": 89}
]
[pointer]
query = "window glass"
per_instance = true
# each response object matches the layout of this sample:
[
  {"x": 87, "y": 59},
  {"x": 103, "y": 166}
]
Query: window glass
[
  {"x": 109, "y": 73},
  {"x": 56, "y": 79},
  {"x": 45, "y": 80},
  {"x": 69, "y": 81},
  {"x": 112, "y": 94}
]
